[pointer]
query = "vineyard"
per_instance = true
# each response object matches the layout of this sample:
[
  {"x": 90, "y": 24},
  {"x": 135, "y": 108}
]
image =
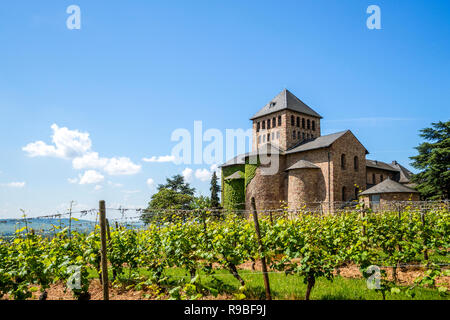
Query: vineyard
[{"x": 207, "y": 254}]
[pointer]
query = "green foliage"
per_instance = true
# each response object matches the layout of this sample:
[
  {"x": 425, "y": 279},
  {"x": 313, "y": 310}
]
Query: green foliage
[
  {"x": 310, "y": 247},
  {"x": 434, "y": 161},
  {"x": 215, "y": 189},
  {"x": 250, "y": 172},
  {"x": 233, "y": 191}
]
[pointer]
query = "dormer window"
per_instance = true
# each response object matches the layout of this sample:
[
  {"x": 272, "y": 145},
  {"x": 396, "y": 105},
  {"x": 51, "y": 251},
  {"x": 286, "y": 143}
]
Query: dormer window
[{"x": 272, "y": 104}]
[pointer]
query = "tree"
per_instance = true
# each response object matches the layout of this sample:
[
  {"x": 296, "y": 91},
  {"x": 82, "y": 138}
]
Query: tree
[
  {"x": 215, "y": 189},
  {"x": 175, "y": 194},
  {"x": 434, "y": 161},
  {"x": 178, "y": 185}
]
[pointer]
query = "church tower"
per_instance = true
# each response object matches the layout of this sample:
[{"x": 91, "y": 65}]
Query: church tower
[{"x": 285, "y": 122}]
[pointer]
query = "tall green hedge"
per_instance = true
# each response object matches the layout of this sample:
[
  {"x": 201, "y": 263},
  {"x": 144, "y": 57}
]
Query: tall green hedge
[{"x": 230, "y": 193}]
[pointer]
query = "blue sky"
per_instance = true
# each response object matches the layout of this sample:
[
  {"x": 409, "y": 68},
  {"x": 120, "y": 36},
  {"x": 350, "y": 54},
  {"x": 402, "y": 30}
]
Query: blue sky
[{"x": 138, "y": 70}]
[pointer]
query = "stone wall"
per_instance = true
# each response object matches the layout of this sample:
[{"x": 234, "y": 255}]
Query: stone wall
[
  {"x": 286, "y": 138},
  {"x": 303, "y": 188},
  {"x": 380, "y": 175},
  {"x": 351, "y": 177}
]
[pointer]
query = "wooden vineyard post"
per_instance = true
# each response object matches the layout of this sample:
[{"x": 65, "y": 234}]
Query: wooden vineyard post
[
  {"x": 104, "y": 261},
  {"x": 261, "y": 251},
  {"x": 425, "y": 239}
]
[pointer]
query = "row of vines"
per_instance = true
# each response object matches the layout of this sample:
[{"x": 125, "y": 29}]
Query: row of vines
[{"x": 309, "y": 246}]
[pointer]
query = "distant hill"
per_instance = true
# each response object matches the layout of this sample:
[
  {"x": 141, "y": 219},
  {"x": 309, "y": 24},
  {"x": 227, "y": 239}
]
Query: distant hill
[{"x": 9, "y": 226}]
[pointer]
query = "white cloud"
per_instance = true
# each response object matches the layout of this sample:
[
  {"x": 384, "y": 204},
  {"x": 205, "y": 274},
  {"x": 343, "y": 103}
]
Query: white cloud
[
  {"x": 121, "y": 166},
  {"x": 116, "y": 185},
  {"x": 91, "y": 177},
  {"x": 67, "y": 144},
  {"x": 14, "y": 184},
  {"x": 76, "y": 145},
  {"x": 89, "y": 160},
  {"x": 203, "y": 174},
  {"x": 150, "y": 182},
  {"x": 72, "y": 180},
  {"x": 159, "y": 159},
  {"x": 98, "y": 187},
  {"x": 187, "y": 174}
]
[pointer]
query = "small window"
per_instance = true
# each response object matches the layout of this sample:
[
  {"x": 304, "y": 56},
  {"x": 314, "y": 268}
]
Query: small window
[
  {"x": 292, "y": 121},
  {"x": 279, "y": 120},
  {"x": 308, "y": 124},
  {"x": 268, "y": 137},
  {"x": 343, "y": 161},
  {"x": 303, "y": 136},
  {"x": 313, "y": 125},
  {"x": 268, "y": 123},
  {"x": 259, "y": 139},
  {"x": 298, "y": 122},
  {"x": 381, "y": 178},
  {"x": 374, "y": 180},
  {"x": 257, "y": 126},
  {"x": 355, "y": 163},
  {"x": 298, "y": 135},
  {"x": 263, "y": 124},
  {"x": 343, "y": 194},
  {"x": 293, "y": 135},
  {"x": 303, "y": 123},
  {"x": 274, "y": 122}
]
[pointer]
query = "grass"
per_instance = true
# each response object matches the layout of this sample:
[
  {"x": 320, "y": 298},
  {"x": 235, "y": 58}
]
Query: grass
[{"x": 290, "y": 287}]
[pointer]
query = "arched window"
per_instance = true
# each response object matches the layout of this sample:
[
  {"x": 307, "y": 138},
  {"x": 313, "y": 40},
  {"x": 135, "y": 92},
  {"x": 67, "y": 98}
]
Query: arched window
[
  {"x": 343, "y": 194},
  {"x": 293, "y": 134},
  {"x": 343, "y": 161},
  {"x": 298, "y": 135},
  {"x": 292, "y": 121},
  {"x": 303, "y": 123},
  {"x": 268, "y": 137},
  {"x": 263, "y": 124},
  {"x": 279, "y": 120},
  {"x": 268, "y": 123},
  {"x": 308, "y": 124},
  {"x": 355, "y": 163},
  {"x": 374, "y": 180},
  {"x": 313, "y": 125},
  {"x": 303, "y": 136},
  {"x": 298, "y": 122},
  {"x": 274, "y": 122},
  {"x": 257, "y": 126}
]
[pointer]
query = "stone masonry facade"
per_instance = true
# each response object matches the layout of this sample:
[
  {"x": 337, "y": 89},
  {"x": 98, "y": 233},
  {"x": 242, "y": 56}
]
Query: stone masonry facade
[{"x": 313, "y": 169}]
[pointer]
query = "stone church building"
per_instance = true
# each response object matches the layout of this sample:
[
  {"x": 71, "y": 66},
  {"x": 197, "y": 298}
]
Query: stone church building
[{"x": 313, "y": 169}]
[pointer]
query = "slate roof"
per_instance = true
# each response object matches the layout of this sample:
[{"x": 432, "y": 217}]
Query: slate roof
[
  {"x": 388, "y": 186},
  {"x": 317, "y": 143},
  {"x": 405, "y": 174},
  {"x": 302, "y": 164},
  {"x": 235, "y": 176},
  {"x": 285, "y": 100},
  {"x": 239, "y": 159},
  {"x": 380, "y": 165}
]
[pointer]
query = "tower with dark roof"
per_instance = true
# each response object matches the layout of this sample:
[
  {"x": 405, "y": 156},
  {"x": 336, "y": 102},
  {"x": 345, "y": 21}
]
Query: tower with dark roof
[{"x": 285, "y": 122}]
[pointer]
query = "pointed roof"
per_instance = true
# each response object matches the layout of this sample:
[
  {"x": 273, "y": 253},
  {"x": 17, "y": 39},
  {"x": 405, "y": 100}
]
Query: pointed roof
[
  {"x": 380, "y": 165},
  {"x": 388, "y": 186},
  {"x": 302, "y": 164},
  {"x": 285, "y": 100},
  {"x": 236, "y": 176},
  {"x": 405, "y": 174},
  {"x": 319, "y": 142}
]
